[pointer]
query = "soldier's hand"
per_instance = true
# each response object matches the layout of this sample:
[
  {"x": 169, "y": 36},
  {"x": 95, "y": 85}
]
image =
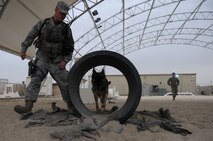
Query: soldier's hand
[
  {"x": 62, "y": 65},
  {"x": 23, "y": 55}
]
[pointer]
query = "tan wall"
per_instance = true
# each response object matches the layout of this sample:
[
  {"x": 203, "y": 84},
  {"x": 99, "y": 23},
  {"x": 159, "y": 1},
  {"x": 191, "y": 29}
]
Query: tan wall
[
  {"x": 20, "y": 88},
  {"x": 205, "y": 90},
  {"x": 119, "y": 82},
  {"x": 2, "y": 87},
  {"x": 187, "y": 82}
]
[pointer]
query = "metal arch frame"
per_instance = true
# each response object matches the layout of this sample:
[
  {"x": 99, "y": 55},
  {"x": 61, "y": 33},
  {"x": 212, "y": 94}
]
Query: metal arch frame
[
  {"x": 183, "y": 41},
  {"x": 135, "y": 40},
  {"x": 117, "y": 18},
  {"x": 167, "y": 21},
  {"x": 168, "y": 32},
  {"x": 96, "y": 27},
  {"x": 137, "y": 27},
  {"x": 79, "y": 8},
  {"x": 185, "y": 31},
  {"x": 194, "y": 12},
  {"x": 150, "y": 11},
  {"x": 152, "y": 22}
]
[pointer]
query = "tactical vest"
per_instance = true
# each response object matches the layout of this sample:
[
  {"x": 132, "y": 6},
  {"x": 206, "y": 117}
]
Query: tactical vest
[
  {"x": 52, "y": 39},
  {"x": 173, "y": 82}
]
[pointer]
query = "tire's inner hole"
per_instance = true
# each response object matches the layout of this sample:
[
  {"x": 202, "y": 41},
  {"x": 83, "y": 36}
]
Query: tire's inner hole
[{"x": 93, "y": 84}]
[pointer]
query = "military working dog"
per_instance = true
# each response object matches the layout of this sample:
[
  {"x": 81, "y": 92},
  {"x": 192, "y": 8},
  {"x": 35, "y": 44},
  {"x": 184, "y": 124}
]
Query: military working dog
[{"x": 100, "y": 88}]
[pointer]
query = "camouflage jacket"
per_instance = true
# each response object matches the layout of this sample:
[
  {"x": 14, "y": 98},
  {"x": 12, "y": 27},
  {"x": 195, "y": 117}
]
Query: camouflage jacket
[
  {"x": 55, "y": 40},
  {"x": 173, "y": 82}
]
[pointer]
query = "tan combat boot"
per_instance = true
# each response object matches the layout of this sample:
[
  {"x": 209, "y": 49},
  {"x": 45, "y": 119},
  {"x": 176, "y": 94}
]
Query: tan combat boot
[{"x": 24, "y": 109}]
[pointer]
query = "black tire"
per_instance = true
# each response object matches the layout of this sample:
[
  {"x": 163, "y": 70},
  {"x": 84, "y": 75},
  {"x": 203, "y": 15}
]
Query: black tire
[{"x": 97, "y": 58}]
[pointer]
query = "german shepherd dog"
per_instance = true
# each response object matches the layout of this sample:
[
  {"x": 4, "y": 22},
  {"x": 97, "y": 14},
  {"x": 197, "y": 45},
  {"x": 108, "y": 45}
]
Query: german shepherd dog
[{"x": 100, "y": 88}]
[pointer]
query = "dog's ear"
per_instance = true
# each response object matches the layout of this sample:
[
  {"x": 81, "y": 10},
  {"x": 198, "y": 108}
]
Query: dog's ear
[
  {"x": 109, "y": 82},
  {"x": 103, "y": 71},
  {"x": 93, "y": 70}
]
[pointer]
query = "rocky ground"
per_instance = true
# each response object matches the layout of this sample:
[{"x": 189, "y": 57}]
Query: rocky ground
[{"x": 194, "y": 113}]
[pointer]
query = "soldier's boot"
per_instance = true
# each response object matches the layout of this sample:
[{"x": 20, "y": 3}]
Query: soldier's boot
[
  {"x": 174, "y": 97},
  {"x": 24, "y": 109}
]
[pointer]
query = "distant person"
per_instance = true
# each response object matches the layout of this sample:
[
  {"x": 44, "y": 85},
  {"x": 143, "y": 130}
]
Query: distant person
[
  {"x": 55, "y": 48},
  {"x": 173, "y": 82}
]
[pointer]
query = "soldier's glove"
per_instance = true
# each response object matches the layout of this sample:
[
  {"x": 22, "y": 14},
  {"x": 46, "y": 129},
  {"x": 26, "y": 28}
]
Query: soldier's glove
[
  {"x": 62, "y": 65},
  {"x": 23, "y": 55}
]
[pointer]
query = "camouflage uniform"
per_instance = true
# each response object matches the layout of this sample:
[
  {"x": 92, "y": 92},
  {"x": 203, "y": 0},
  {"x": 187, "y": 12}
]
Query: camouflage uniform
[
  {"x": 173, "y": 82},
  {"x": 54, "y": 45}
]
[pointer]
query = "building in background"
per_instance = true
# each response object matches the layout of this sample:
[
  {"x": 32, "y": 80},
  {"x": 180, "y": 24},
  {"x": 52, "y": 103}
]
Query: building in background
[
  {"x": 3, "y": 83},
  {"x": 11, "y": 90},
  {"x": 155, "y": 84},
  {"x": 152, "y": 84},
  {"x": 205, "y": 90},
  {"x": 46, "y": 86}
]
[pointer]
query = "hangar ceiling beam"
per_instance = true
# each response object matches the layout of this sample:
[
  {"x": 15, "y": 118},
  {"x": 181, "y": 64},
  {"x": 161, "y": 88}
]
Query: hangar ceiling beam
[
  {"x": 113, "y": 38},
  {"x": 150, "y": 37},
  {"x": 193, "y": 13},
  {"x": 3, "y": 6},
  {"x": 183, "y": 41},
  {"x": 116, "y": 19},
  {"x": 123, "y": 12},
  {"x": 150, "y": 11},
  {"x": 200, "y": 33},
  {"x": 29, "y": 10},
  {"x": 167, "y": 21},
  {"x": 95, "y": 25}
]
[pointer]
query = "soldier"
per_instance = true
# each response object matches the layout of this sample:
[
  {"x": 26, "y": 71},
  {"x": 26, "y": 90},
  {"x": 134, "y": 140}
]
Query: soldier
[
  {"x": 55, "y": 47},
  {"x": 173, "y": 82}
]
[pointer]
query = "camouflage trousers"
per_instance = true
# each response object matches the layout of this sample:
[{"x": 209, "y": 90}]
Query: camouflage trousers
[
  {"x": 174, "y": 90},
  {"x": 43, "y": 68}
]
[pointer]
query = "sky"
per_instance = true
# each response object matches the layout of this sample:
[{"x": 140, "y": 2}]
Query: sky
[{"x": 163, "y": 59}]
